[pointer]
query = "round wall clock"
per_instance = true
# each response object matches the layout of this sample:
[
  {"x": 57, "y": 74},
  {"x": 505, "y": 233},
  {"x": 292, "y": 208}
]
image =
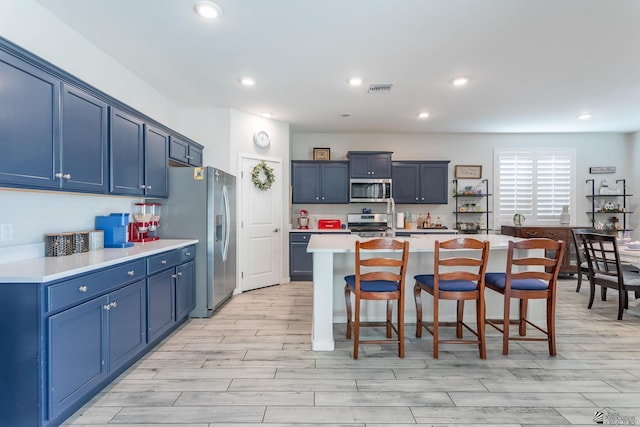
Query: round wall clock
[{"x": 261, "y": 139}]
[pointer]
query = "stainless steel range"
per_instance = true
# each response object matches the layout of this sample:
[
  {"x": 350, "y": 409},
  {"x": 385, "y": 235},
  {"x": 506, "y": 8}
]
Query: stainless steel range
[{"x": 368, "y": 225}]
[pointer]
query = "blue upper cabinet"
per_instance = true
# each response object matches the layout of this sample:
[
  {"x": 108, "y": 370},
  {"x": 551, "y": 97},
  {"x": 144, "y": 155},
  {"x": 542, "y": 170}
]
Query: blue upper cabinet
[
  {"x": 156, "y": 158},
  {"x": 139, "y": 157},
  {"x": 83, "y": 165},
  {"x": 57, "y": 133},
  {"x": 421, "y": 182},
  {"x": 183, "y": 152},
  {"x": 126, "y": 154},
  {"x": 320, "y": 181},
  {"x": 29, "y": 130},
  {"x": 370, "y": 164}
]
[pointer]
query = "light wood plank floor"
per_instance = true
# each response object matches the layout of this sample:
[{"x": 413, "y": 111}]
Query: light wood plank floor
[{"x": 250, "y": 364}]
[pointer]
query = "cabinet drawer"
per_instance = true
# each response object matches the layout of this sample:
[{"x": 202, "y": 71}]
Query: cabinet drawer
[
  {"x": 187, "y": 254},
  {"x": 81, "y": 288},
  {"x": 164, "y": 260},
  {"x": 299, "y": 237}
]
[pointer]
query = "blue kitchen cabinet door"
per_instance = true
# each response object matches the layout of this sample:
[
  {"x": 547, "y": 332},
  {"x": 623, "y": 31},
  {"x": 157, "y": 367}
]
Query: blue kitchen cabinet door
[
  {"x": 434, "y": 183},
  {"x": 160, "y": 303},
  {"x": 127, "y": 323},
  {"x": 29, "y": 125},
  {"x": 77, "y": 340},
  {"x": 185, "y": 289},
  {"x": 370, "y": 165},
  {"x": 305, "y": 182},
  {"x": 83, "y": 165},
  {"x": 156, "y": 166},
  {"x": 334, "y": 182},
  {"x": 320, "y": 182},
  {"x": 126, "y": 166},
  {"x": 406, "y": 182},
  {"x": 300, "y": 261},
  {"x": 184, "y": 152}
]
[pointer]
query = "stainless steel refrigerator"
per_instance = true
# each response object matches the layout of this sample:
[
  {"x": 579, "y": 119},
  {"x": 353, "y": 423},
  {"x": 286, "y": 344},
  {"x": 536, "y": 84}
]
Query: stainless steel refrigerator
[{"x": 202, "y": 205}]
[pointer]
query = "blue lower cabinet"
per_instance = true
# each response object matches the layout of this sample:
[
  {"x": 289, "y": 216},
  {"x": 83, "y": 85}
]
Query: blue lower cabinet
[
  {"x": 69, "y": 338},
  {"x": 127, "y": 321},
  {"x": 76, "y": 353},
  {"x": 161, "y": 303},
  {"x": 185, "y": 292}
]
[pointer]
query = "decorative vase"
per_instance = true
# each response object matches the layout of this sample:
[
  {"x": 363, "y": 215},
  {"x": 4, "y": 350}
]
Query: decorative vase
[
  {"x": 565, "y": 217},
  {"x": 518, "y": 220}
]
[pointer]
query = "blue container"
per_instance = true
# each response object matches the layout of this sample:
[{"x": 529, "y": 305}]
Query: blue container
[{"x": 115, "y": 230}]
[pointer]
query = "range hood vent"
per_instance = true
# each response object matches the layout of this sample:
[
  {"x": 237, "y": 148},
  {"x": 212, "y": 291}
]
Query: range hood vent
[{"x": 380, "y": 88}]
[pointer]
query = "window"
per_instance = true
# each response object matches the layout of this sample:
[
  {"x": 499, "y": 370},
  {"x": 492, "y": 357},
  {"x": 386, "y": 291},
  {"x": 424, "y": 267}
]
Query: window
[{"x": 534, "y": 183}]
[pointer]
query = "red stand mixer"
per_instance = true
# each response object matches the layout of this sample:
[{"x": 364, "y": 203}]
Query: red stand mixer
[
  {"x": 303, "y": 220},
  {"x": 144, "y": 225}
]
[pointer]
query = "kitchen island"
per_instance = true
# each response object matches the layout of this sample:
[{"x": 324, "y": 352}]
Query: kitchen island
[{"x": 334, "y": 258}]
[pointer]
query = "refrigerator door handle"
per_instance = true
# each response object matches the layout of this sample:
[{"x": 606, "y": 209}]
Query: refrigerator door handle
[{"x": 227, "y": 222}]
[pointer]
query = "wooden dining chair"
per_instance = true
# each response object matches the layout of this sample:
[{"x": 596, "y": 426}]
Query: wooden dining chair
[
  {"x": 379, "y": 278},
  {"x": 526, "y": 277},
  {"x": 458, "y": 274},
  {"x": 582, "y": 267},
  {"x": 607, "y": 271}
]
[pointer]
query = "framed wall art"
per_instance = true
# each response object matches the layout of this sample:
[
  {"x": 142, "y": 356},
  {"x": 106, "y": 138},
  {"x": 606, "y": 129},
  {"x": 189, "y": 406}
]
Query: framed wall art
[
  {"x": 321, "y": 153},
  {"x": 468, "y": 171}
]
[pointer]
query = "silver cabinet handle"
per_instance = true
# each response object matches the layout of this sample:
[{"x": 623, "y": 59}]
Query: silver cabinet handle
[
  {"x": 113, "y": 304},
  {"x": 58, "y": 175},
  {"x": 130, "y": 272},
  {"x": 175, "y": 276},
  {"x": 83, "y": 288},
  {"x": 107, "y": 307},
  {"x": 148, "y": 187},
  {"x": 164, "y": 261},
  {"x": 67, "y": 176},
  {"x": 180, "y": 273},
  {"x": 188, "y": 254}
]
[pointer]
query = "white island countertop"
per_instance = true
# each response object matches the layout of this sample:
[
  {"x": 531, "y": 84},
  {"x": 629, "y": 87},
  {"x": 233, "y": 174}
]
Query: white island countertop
[
  {"x": 341, "y": 243},
  {"x": 46, "y": 269}
]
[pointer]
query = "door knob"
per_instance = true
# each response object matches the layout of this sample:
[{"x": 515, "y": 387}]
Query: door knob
[{"x": 275, "y": 230}]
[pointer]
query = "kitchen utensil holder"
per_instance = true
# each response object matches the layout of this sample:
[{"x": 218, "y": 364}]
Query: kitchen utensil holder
[
  {"x": 80, "y": 241},
  {"x": 59, "y": 244},
  {"x": 96, "y": 240}
]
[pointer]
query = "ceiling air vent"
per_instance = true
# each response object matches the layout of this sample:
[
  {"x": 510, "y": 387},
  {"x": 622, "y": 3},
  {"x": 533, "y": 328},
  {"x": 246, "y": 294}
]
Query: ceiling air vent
[{"x": 380, "y": 88}]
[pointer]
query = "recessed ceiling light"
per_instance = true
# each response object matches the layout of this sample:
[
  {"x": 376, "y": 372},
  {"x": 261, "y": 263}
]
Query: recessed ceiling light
[
  {"x": 423, "y": 115},
  {"x": 356, "y": 81},
  {"x": 247, "y": 81},
  {"x": 207, "y": 9},
  {"x": 585, "y": 116},
  {"x": 266, "y": 114},
  {"x": 460, "y": 81}
]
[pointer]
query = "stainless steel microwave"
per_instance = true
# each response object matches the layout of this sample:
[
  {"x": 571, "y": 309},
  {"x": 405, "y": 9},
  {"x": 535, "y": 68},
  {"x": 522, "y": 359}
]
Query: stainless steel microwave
[{"x": 369, "y": 190}]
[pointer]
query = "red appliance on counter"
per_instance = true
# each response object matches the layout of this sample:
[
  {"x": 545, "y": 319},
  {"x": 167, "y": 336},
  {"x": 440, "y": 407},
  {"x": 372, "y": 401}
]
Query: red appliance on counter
[
  {"x": 329, "y": 224},
  {"x": 144, "y": 227}
]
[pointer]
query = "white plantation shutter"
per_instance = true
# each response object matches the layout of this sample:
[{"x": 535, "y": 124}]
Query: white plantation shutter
[{"x": 536, "y": 184}]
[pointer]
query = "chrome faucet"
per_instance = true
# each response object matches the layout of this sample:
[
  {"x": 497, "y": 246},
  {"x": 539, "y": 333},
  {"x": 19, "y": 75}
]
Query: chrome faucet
[{"x": 391, "y": 215}]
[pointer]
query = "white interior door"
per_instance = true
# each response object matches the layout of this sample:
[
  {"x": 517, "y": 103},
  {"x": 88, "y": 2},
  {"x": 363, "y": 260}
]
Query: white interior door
[{"x": 261, "y": 228}]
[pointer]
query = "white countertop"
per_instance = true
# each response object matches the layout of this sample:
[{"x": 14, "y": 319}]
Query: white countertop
[
  {"x": 417, "y": 243},
  {"x": 399, "y": 230},
  {"x": 46, "y": 269}
]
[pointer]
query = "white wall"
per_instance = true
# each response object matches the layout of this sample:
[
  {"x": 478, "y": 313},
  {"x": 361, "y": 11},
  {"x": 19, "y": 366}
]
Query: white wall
[{"x": 592, "y": 149}]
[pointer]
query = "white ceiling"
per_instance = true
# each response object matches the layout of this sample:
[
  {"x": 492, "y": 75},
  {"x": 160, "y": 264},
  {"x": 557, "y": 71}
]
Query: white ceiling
[{"x": 534, "y": 64}]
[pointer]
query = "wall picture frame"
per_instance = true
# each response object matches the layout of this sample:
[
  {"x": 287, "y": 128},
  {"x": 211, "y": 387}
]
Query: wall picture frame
[
  {"x": 321, "y": 153},
  {"x": 468, "y": 171}
]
